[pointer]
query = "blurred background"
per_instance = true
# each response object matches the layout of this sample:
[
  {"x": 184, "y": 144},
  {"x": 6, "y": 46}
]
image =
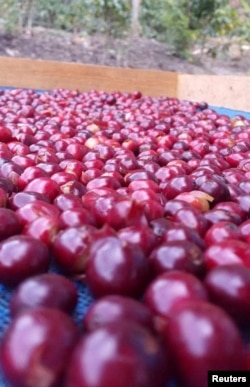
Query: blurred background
[{"x": 193, "y": 36}]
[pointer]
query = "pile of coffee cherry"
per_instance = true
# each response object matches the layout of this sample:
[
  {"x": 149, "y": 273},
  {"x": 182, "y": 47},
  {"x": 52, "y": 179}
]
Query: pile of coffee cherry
[{"x": 142, "y": 201}]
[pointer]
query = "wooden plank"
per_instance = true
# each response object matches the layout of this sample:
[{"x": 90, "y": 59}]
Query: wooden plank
[
  {"x": 225, "y": 91},
  {"x": 231, "y": 92},
  {"x": 40, "y": 74}
]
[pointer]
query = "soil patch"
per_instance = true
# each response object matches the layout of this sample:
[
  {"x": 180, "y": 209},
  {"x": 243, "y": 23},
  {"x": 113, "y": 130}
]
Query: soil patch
[{"x": 135, "y": 53}]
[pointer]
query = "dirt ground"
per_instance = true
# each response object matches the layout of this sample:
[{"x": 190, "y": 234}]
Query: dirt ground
[{"x": 135, "y": 53}]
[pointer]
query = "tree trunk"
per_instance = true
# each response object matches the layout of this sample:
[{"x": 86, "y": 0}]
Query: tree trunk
[
  {"x": 135, "y": 12},
  {"x": 26, "y": 16},
  {"x": 30, "y": 16}
]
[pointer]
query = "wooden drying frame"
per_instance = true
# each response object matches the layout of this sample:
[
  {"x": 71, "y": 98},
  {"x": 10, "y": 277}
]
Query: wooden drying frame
[{"x": 231, "y": 92}]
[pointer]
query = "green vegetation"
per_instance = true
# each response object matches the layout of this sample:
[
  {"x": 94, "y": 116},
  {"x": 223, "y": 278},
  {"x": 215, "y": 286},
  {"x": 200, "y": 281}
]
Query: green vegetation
[{"x": 178, "y": 23}]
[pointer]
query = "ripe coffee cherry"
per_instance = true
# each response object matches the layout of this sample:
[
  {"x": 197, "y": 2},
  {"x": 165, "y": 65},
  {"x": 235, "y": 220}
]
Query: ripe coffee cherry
[
  {"x": 140, "y": 235},
  {"x": 5, "y": 134},
  {"x": 179, "y": 232},
  {"x": 124, "y": 354},
  {"x": 217, "y": 189},
  {"x": 20, "y": 257},
  {"x": 34, "y": 209},
  {"x": 192, "y": 218},
  {"x": 36, "y": 346},
  {"x": 44, "y": 228},
  {"x": 177, "y": 185},
  {"x": 116, "y": 267},
  {"x": 29, "y": 174},
  {"x": 202, "y": 337},
  {"x": 228, "y": 286},
  {"x": 220, "y": 231},
  {"x": 76, "y": 217},
  {"x": 19, "y": 199},
  {"x": 115, "y": 309},
  {"x": 177, "y": 255},
  {"x": 50, "y": 290},
  {"x": 171, "y": 288},
  {"x": 227, "y": 252},
  {"x": 44, "y": 185},
  {"x": 71, "y": 248},
  {"x": 244, "y": 230},
  {"x": 9, "y": 223}
]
